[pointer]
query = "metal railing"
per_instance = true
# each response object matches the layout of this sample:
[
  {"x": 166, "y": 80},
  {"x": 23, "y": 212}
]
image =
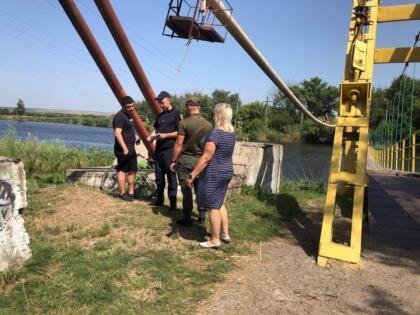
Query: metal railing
[{"x": 401, "y": 156}]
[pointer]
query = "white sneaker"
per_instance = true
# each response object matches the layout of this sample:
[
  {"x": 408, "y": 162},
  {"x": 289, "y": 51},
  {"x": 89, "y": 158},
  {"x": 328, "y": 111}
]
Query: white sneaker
[{"x": 209, "y": 244}]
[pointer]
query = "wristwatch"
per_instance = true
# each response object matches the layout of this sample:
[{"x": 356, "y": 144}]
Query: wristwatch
[{"x": 190, "y": 176}]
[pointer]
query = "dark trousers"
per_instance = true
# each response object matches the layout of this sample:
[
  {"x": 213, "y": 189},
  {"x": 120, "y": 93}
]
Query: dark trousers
[
  {"x": 187, "y": 195},
  {"x": 162, "y": 168}
]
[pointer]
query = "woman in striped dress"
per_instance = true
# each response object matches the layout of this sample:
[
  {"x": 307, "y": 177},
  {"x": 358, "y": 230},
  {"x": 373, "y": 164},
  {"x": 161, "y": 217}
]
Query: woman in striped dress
[{"x": 215, "y": 168}]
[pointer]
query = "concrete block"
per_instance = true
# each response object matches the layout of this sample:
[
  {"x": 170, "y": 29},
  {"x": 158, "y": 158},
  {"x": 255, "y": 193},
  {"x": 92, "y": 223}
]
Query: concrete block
[
  {"x": 254, "y": 164},
  {"x": 14, "y": 240}
]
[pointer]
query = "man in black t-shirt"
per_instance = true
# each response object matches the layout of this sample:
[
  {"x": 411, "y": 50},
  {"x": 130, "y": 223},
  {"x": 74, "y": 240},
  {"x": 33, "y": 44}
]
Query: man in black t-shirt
[
  {"x": 125, "y": 138},
  {"x": 165, "y": 132}
]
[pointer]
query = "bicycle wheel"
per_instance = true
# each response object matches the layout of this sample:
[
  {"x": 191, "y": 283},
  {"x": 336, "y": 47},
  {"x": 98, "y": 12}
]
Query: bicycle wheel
[
  {"x": 145, "y": 187},
  {"x": 109, "y": 182}
]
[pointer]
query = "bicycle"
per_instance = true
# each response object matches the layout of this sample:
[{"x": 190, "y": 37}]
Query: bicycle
[{"x": 144, "y": 187}]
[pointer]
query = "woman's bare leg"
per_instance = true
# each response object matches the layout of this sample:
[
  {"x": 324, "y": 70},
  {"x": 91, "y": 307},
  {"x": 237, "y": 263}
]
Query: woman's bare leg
[
  {"x": 215, "y": 223},
  {"x": 224, "y": 221}
]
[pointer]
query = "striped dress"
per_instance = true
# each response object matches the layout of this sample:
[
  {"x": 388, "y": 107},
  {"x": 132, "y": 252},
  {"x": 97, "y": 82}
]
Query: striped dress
[{"x": 214, "y": 180}]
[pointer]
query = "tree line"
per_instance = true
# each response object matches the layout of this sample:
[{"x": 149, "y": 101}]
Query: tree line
[
  {"x": 277, "y": 119},
  {"x": 274, "y": 120}
]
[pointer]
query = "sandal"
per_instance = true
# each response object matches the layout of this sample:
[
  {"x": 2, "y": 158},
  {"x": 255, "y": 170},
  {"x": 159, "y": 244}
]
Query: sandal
[{"x": 209, "y": 244}]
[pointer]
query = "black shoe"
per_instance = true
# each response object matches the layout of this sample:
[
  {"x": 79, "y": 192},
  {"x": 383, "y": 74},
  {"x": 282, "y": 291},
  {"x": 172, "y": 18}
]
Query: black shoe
[
  {"x": 125, "y": 198},
  {"x": 132, "y": 196},
  {"x": 184, "y": 222},
  {"x": 159, "y": 202}
]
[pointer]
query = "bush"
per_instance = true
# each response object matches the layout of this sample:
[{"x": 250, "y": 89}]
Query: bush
[
  {"x": 274, "y": 136},
  {"x": 46, "y": 162}
]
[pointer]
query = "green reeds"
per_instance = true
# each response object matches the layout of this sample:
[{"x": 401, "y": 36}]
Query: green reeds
[{"x": 47, "y": 161}]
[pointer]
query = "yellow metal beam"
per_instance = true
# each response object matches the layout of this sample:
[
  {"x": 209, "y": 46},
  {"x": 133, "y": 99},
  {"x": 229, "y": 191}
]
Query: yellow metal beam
[
  {"x": 398, "y": 13},
  {"x": 352, "y": 123},
  {"x": 397, "y": 55}
]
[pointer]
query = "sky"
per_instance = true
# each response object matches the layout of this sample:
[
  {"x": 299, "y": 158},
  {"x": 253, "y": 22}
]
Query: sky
[{"x": 44, "y": 62}]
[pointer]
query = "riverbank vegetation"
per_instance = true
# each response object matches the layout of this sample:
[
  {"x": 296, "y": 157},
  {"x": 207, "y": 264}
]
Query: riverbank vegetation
[
  {"x": 46, "y": 162},
  {"x": 92, "y": 253}
]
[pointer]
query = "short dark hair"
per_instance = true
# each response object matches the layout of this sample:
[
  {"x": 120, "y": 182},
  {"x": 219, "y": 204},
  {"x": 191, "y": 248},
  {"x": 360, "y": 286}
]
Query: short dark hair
[{"x": 126, "y": 100}]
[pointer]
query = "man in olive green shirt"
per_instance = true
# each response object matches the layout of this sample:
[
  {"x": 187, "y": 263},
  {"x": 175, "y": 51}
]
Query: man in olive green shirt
[{"x": 188, "y": 150}]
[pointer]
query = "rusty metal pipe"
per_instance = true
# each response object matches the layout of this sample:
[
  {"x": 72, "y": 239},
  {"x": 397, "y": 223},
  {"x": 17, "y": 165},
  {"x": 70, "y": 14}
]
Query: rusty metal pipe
[
  {"x": 98, "y": 56},
  {"x": 117, "y": 31}
]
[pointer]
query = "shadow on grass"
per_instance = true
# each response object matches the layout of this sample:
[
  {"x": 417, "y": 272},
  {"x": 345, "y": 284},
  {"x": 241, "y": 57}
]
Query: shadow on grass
[
  {"x": 304, "y": 227},
  {"x": 194, "y": 232}
]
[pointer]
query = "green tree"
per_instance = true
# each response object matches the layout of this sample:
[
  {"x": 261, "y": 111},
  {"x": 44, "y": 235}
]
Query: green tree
[
  {"x": 4, "y": 111},
  {"x": 20, "y": 108},
  {"x": 321, "y": 98},
  {"x": 390, "y": 117},
  {"x": 315, "y": 133},
  {"x": 379, "y": 107},
  {"x": 144, "y": 111},
  {"x": 222, "y": 96}
]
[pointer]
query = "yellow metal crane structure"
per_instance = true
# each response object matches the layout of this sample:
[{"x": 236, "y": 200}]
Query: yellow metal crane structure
[{"x": 348, "y": 163}]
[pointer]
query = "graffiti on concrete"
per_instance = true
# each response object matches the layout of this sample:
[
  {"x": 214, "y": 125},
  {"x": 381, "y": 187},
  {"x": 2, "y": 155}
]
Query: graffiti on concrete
[{"x": 7, "y": 198}]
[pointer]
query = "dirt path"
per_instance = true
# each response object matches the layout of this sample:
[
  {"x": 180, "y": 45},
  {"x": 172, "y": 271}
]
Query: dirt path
[{"x": 287, "y": 281}]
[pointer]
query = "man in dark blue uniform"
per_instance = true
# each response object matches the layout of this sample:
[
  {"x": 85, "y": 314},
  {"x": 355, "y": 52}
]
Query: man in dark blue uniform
[
  {"x": 165, "y": 132},
  {"x": 125, "y": 138}
]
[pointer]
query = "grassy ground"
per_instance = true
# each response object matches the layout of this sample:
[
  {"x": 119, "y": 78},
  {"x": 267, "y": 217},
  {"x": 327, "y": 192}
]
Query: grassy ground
[
  {"x": 95, "y": 254},
  {"x": 92, "y": 253}
]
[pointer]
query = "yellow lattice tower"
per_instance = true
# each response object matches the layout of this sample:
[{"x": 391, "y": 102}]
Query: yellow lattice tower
[{"x": 348, "y": 163}]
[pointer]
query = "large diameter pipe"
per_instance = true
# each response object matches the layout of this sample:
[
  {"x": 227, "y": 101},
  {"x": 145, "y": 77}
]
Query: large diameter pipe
[
  {"x": 98, "y": 56},
  {"x": 224, "y": 16},
  {"x": 117, "y": 31}
]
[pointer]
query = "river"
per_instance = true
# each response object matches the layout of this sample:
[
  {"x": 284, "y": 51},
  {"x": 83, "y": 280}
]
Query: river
[{"x": 301, "y": 161}]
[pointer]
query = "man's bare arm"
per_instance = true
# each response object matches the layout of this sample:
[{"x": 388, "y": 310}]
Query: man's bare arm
[
  {"x": 168, "y": 135},
  {"x": 120, "y": 140}
]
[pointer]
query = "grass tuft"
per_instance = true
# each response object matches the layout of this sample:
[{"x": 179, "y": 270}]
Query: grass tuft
[
  {"x": 104, "y": 230},
  {"x": 42, "y": 256}
]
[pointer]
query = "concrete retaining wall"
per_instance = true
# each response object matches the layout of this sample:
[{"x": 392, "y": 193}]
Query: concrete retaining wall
[
  {"x": 254, "y": 164},
  {"x": 14, "y": 240}
]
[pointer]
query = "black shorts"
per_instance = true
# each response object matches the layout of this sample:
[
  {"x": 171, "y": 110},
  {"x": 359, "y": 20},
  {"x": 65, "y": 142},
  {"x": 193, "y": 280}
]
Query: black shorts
[{"x": 127, "y": 163}]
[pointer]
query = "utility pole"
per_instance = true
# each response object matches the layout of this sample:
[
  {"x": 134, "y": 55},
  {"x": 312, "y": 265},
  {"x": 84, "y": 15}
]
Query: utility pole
[
  {"x": 267, "y": 102},
  {"x": 301, "y": 123},
  {"x": 236, "y": 114}
]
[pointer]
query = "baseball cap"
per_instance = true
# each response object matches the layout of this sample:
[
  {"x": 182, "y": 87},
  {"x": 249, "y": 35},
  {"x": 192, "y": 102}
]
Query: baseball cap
[
  {"x": 194, "y": 100},
  {"x": 162, "y": 95}
]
